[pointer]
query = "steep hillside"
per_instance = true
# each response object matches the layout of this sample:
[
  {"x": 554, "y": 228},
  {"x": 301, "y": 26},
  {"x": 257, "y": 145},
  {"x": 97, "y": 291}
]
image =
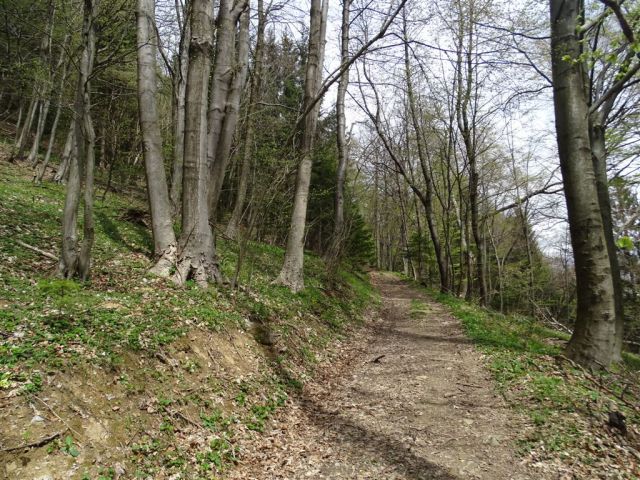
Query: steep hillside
[{"x": 129, "y": 376}]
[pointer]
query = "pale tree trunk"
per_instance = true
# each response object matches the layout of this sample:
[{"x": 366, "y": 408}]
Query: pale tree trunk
[
  {"x": 56, "y": 119},
  {"x": 427, "y": 197},
  {"x": 74, "y": 264},
  {"x": 21, "y": 143},
  {"x": 179, "y": 117},
  {"x": 292, "y": 273},
  {"x": 46, "y": 89},
  {"x": 19, "y": 122},
  {"x": 254, "y": 95},
  {"x": 67, "y": 153},
  {"x": 465, "y": 72},
  {"x": 593, "y": 342},
  {"x": 164, "y": 239},
  {"x": 229, "y": 79},
  {"x": 338, "y": 235},
  {"x": 196, "y": 255},
  {"x": 32, "y": 158}
]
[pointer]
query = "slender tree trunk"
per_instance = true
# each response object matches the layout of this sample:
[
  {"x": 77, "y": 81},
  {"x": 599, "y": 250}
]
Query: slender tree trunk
[
  {"x": 73, "y": 263},
  {"x": 179, "y": 118},
  {"x": 599, "y": 157},
  {"x": 19, "y": 122},
  {"x": 197, "y": 257},
  {"x": 164, "y": 239},
  {"x": 32, "y": 158},
  {"x": 67, "y": 153},
  {"x": 338, "y": 235},
  {"x": 593, "y": 342},
  {"x": 292, "y": 273},
  {"x": 19, "y": 146},
  {"x": 229, "y": 79},
  {"x": 443, "y": 269},
  {"x": 56, "y": 119},
  {"x": 252, "y": 108}
]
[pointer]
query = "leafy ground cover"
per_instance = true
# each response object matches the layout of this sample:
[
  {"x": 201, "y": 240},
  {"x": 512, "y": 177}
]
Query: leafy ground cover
[
  {"x": 174, "y": 377},
  {"x": 569, "y": 409}
]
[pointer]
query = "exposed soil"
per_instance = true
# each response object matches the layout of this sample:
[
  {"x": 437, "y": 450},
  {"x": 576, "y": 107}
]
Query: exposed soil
[{"x": 410, "y": 399}]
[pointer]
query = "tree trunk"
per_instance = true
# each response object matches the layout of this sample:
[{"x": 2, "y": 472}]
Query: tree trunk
[
  {"x": 164, "y": 240},
  {"x": 254, "y": 95},
  {"x": 292, "y": 272},
  {"x": 229, "y": 79},
  {"x": 599, "y": 158},
  {"x": 19, "y": 146},
  {"x": 179, "y": 117},
  {"x": 593, "y": 341},
  {"x": 32, "y": 158},
  {"x": 74, "y": 264},
  {"x": 427, "y": 197},
  {"x": 338, "y": 235},
  {"x": 67, "y": 152},
  {"x": 197, "y": 257},
  {"x": 56, "y": 119}
]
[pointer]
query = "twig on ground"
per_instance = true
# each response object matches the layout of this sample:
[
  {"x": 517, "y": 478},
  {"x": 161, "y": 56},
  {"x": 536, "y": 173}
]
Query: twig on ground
[
  {"x": 60, "y": 418},
  {"x": 37, "y": 250},
  {"x": 37, "y": 443}
]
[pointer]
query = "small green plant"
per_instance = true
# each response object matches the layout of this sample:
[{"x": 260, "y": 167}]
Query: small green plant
[{"x": 69, "y": 447}]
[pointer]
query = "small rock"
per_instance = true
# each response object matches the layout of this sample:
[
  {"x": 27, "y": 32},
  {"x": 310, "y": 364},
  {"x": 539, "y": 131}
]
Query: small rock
[
  {"x": 467, "y": 421},
  {"x": 37, "y": 419}
]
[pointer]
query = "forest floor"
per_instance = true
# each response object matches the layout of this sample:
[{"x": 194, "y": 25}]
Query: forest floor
[{"x": 412, "y": 399}]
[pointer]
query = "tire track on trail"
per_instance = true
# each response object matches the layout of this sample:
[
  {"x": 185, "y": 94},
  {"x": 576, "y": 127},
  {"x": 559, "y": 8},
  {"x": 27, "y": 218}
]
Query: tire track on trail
[{"x": 412, "y": 401}]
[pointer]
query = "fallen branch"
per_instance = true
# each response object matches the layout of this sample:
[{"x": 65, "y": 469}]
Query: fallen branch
[
  {"x": 37, "y": 250},
  {"x": 78, "y": 435},
  {"x": 37, "y": 443}
]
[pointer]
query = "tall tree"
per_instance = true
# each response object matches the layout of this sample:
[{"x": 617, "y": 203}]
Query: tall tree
[
  {"x": 164, "y": 238},
  {"x": 292, "y": 272},
  {"x": 593, "y": 340},
  {"x": 74, "y": 263}
]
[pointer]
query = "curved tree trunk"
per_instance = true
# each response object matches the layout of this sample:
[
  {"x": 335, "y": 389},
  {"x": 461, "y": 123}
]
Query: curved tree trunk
[
  {"x": 593, "y": 341},
  {"x": 164, "y": 240}
]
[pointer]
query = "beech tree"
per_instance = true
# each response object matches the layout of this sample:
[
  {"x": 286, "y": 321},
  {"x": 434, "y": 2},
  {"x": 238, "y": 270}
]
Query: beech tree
[
  {"x": 593, "y": 340},
  {"x": 292, "y": 274},
  {"x": 161, "y": 223}
]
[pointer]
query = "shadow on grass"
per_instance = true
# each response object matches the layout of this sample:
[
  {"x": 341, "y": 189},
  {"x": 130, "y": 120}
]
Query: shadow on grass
[{"x": 110, "y": 229}]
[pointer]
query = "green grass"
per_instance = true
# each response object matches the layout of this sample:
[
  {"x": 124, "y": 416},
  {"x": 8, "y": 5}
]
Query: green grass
[
  {"x": 566, "y": 406},
  {"x": 48, "y": 325}
]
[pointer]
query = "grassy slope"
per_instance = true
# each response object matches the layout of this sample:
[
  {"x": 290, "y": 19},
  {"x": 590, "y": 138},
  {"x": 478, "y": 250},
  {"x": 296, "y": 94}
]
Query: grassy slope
[
  {"x": 567, "y": 406},
  {"x": 125, "y": 318}
]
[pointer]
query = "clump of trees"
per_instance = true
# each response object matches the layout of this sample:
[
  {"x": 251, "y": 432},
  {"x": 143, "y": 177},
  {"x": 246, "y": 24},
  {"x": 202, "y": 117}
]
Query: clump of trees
[{"x": 424, "y": 161}]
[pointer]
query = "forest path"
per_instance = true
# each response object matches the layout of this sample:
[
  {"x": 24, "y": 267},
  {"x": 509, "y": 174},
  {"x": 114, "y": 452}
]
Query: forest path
[{"x": 413, "y": 402}]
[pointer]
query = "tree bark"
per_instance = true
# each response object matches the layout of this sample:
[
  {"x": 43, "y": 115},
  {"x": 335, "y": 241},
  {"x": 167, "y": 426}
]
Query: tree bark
[
  {"x": 593, "y": 341},
  {"x": 292, "y": 272},
  {"x": 74, "y": 264},
  {"x": 338, "y": 235},
  {"x": 229, "y": 79},
  {"x": 67, "y": 152},
  {"x": 179, "y": 117},
  {"x": 164, "y": 238},
  {"x": 252, "y": 108},
  {"x": 196, "y": 255}
]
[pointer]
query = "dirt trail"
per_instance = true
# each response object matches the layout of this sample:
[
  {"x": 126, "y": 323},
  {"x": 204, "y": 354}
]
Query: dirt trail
[{"x": 414, "y": 402}]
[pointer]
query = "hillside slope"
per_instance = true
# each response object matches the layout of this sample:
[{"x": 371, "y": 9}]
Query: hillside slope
[{"x": 131, "y": 377}]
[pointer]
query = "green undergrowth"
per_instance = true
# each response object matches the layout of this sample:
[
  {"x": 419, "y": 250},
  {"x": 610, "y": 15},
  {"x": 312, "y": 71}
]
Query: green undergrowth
[
  {"x": 123, "y": 314},
  {"x": 567, "y": 406}
]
